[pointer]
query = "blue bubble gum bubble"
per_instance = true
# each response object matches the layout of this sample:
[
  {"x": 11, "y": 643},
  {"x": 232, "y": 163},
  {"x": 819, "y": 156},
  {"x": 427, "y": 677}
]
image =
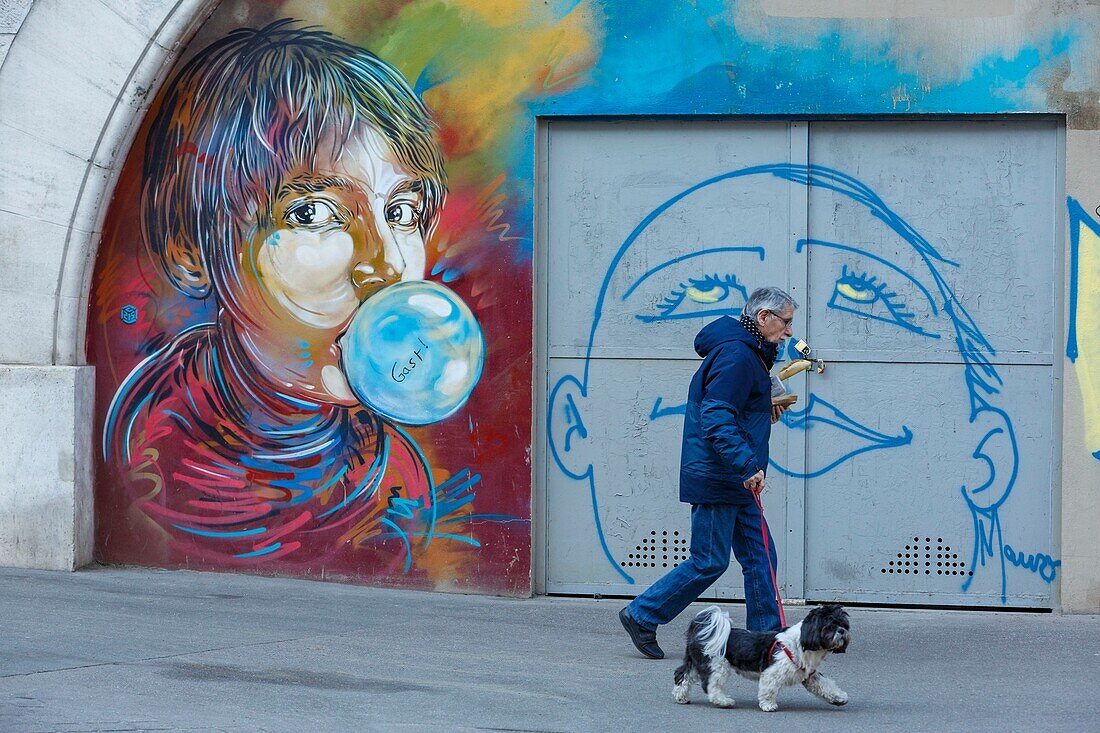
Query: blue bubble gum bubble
[{"x": 413, "y": 352}]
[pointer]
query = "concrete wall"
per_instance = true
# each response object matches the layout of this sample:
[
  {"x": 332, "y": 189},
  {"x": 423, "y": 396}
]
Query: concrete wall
[
  {"x": 74, "y": 81},
  {"x": 1081, "y": 410},
  {"x": 12, "y": 15},
  {"x": 77, "y": 76},
  {"x": 46, "y": 508}
]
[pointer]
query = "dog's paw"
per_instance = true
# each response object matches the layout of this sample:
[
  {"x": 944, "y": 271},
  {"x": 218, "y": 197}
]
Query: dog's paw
[
  {"x": 681, "y": 696},
  {"x": 839, "y": 699},
  {"x": 721, "y": 701},
  {"x": 768, "y": 707}
]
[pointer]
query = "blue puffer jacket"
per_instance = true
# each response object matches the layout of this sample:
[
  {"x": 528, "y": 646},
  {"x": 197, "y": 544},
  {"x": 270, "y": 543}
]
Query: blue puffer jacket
[{"x": 728, "y": 420}]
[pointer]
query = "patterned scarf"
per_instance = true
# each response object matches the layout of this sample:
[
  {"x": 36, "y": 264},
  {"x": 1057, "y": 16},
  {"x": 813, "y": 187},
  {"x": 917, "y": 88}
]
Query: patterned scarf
[
  {"x": 751, "y": 327},
  {"x": 768, "y": 350}
]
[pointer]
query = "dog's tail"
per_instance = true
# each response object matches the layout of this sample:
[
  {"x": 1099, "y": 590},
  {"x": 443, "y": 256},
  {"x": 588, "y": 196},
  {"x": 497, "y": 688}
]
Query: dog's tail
[{"x": 710, "y": 629}]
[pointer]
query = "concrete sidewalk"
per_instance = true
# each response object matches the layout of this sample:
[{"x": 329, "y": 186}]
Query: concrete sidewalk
[{"x": 124, "y": 649}]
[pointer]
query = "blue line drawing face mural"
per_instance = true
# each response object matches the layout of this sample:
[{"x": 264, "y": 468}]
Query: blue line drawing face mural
[{"x": 892, "y": 285}]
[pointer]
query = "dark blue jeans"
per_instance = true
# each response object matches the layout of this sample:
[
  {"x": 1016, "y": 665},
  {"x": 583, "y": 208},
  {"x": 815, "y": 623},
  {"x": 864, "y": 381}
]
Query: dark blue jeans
[{"x": 715, "y": 529}]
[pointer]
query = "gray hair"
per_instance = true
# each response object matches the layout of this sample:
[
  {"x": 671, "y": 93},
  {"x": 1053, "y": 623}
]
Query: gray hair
[{"x": 768, "y": 299}]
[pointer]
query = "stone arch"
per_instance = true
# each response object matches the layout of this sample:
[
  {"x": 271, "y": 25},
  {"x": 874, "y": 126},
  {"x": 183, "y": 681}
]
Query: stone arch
[{"x": 75, "y": 82}]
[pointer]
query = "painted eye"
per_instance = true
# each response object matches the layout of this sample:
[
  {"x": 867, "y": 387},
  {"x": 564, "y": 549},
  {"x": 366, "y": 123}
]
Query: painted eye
[
  {"x": 706, "y": 292},
  {"x": 867, "y": 296},
  {"x": 403, "y": 214},
  {"x": 856, "y": 291},
  {"x": 711, "y": 295},
  {"x": 312, "y": 213}
]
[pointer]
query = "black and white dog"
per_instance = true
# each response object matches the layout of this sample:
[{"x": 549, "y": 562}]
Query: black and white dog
[{"x": 777, "y": 659}]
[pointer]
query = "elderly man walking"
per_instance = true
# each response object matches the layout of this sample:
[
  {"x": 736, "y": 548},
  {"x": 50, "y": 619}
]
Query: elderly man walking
[{"x": 723, "y": 459}]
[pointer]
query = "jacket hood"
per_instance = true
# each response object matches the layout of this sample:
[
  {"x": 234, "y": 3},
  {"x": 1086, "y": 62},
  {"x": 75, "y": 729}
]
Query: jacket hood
[{"x": 727, "y": 329}]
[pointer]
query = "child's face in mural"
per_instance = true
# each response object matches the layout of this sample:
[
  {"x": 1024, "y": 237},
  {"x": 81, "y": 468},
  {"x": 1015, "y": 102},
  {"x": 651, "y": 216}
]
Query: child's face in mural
[{"x": 339, "y": 230}]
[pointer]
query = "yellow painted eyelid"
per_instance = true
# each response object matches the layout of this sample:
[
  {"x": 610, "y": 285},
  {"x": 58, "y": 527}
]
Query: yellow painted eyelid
[
  {"x": 851, "y": 293},
  {"x": 711, "y": 295}
]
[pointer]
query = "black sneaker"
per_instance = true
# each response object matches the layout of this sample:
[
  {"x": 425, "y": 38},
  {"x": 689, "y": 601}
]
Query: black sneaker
[{"x": 644, "y": 639}]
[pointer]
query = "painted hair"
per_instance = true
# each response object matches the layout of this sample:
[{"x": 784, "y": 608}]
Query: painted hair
[{"x": 247, "y": 110}]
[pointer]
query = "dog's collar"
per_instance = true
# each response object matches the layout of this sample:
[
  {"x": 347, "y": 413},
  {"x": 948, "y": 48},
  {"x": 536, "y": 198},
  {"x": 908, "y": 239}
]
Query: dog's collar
[{"x": 799, "y": 667}]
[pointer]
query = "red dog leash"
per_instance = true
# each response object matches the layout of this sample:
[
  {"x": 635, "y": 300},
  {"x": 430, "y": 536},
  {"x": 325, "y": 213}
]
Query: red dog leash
[
  {"x": 764, "y": 534},
  {"x": 768, "y": 558},
  {"x": 799, "y": 667}
]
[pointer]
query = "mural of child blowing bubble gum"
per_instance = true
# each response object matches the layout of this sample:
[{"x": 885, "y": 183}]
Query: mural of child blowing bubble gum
[{"x": 293, "y": 178}]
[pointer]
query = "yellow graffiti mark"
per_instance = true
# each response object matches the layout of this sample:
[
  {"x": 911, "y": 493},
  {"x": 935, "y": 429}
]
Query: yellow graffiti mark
[
  {"x": 490, "y": 210},
  {"x": 148, "y": 471},
  {"x": 710, "y": 295},
  {"x": 858, "y": 295},
  {"x": 568, "y": 59},
  {"x": 487, "y": 72},
  {"x": 1088, "y": 329},
  {"x": 496, "y": 13}
]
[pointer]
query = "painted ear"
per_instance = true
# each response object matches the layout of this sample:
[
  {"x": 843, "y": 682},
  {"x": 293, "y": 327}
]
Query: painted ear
[
  {"x": 168, "y": 241},
  {"x": 565, "y": 427},
  {"x": 182, "y": 263}
]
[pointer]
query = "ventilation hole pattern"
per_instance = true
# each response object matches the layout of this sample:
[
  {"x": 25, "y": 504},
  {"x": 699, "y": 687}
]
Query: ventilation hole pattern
[
  {"x": 661, "y": 549},
  {"x": 925, "y": 559}
]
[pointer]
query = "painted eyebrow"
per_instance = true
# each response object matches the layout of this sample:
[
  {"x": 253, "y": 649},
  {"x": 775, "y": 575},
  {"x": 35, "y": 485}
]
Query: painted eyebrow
[
  {"x": 317, "y": 184},
  {"x": 802, "y": 243},
  {"x": 313, "y": 184},
  {"x": 758, "y": 251},
  {"x": 410, "y": 185}
]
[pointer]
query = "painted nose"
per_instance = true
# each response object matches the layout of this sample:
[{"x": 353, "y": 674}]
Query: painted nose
[{"x": 379, "y": 271}]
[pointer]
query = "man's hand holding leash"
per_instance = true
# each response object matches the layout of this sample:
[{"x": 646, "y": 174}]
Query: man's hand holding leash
[{"x": 755, "y": 483}]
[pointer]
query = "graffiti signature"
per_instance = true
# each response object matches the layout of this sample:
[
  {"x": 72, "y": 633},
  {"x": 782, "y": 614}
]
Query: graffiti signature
[{"x": 1045, "y": 566}]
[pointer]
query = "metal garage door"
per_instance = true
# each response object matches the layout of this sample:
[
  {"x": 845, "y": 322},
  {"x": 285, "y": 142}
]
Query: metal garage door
[{"x": 918, "y": 468}]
